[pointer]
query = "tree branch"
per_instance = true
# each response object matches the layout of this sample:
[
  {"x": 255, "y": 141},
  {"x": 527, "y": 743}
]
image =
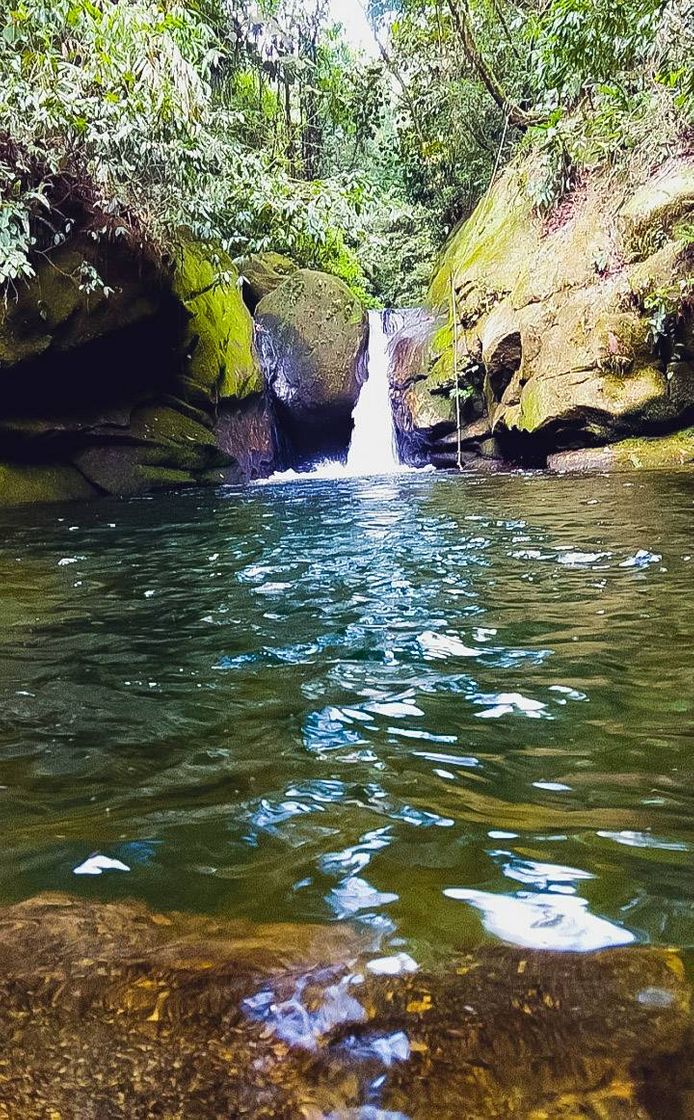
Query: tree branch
[{"x": 516, "y": 116}]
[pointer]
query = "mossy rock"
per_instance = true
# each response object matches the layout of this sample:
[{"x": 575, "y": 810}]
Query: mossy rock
[
  {"x": 261, "y": 273},
  {"x": 54, "y": 311},
  {"x": 650, "y": 215},
  {"x": 221, "y": 359},
  {"x": 24, "y": 482},
  {"x": 125, "y": 471},
  {"x": 171, "y": 438},
  {"x": 162, "y": 448},
  {"x": 183, "y": 340},
  {"x": 559, "y": 319},
  {"x": 312, "y": 334},
  {"x": 432, "y": 414},
  {"x": 669, "y": 452}
]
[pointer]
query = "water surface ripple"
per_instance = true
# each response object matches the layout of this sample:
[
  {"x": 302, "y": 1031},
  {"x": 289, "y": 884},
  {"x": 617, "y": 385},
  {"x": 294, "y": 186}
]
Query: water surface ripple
[{"x": 453, "y": 709}]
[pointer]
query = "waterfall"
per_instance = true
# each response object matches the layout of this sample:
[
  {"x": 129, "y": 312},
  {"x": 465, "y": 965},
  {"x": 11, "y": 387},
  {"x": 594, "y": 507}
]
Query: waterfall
[{"x": 372, "y": 449}]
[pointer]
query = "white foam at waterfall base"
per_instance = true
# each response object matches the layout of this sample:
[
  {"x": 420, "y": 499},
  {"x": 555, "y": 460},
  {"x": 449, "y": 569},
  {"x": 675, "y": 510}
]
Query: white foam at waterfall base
[{"x": 373, "y": 447}]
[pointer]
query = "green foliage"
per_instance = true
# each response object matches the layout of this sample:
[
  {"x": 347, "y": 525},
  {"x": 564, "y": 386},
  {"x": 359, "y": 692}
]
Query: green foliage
[
  {"x": 553, "y": 169},
  {"x": 397, "y": 251},
  {"x": 578, "y": 44},
  {"x": 253, "y": 123},
  {"x": 598, "y": 79},
  {"x": 449, "y": 131},
  {"x": 666, "y": 309},
  {"x": 146, "y": 111}
]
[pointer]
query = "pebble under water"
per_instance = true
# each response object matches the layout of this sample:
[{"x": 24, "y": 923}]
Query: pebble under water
[{"x": 447, "y": 710}]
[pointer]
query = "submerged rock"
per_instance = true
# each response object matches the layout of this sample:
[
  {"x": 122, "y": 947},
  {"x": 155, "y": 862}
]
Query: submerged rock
[
  {"x": 111, "y": 1010},
  {"x": 311, "y": 333}
]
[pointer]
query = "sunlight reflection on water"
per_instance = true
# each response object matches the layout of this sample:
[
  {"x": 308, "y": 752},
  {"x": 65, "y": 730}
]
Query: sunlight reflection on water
[{"x": 329, "y": 699}]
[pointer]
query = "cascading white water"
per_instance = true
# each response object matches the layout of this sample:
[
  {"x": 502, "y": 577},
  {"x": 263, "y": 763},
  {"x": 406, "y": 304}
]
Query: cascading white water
[{"x": 373, "y": 448}]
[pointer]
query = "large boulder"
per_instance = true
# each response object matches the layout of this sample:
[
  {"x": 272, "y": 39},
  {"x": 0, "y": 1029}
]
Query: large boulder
[
  {"x": 161, "y": 448},
  {"x": 261, "y": 273},
  {"x": 219, "y": 337},
  {"x": 579, "y": 326},
  {"x": 311, "y": 334},
  {"x": 86, "y": 289}
]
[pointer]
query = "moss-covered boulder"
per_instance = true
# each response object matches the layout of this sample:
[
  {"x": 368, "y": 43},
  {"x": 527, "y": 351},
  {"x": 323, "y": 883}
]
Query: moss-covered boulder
[
  {"x": 580, "y": 324},
  {"x": 84, "y": 290},
  {"x": 428, "y": 404},
  {"x": 261, "y": 273},
  {"x": 312, "y": 334},
  {"x": 161, "y": 448},
  {"x": 26, "y": 482},
  {"x": 219, "y": 337},
  {"x": 668, "y": 452}
]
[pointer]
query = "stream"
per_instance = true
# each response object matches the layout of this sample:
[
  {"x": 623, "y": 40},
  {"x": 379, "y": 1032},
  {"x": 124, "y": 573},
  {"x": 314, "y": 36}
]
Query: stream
[{"x": 449, "y": 710}]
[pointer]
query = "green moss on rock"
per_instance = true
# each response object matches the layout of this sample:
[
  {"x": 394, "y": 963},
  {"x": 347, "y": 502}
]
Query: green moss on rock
[
  {"x": 20, "y": 483},
  {"x": 55, "y": 311},
  {"x": 222, "y": 362},
  {"x": 650, "y": 214},
  {"x": 183, "y": 339},
  {"x": 122, "y": 471},
  {"x": 561, "y": 322},
  {"x": 669, "y": 452},
  {"x": 432, "y": 412},
  {"x": 263, "y": 272},
  {"x": 174, "y": 437},
  {"x": 162, "y": 448}
]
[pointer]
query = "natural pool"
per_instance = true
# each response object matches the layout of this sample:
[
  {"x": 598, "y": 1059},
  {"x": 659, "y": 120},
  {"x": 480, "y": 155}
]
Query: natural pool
[{"x": 443, "y": 711}]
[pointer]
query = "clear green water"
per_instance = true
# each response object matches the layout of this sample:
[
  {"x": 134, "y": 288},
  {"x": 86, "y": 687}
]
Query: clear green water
[{"x": 331, "y": 700}]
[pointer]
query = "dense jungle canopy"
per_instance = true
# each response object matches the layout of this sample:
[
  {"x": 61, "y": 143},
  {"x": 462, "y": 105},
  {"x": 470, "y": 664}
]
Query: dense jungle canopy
[{"x": 261, "y": 125}]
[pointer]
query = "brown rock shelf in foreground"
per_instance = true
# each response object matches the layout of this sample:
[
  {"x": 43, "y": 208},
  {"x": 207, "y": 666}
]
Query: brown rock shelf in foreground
[{"x": 111, "y": 1011}]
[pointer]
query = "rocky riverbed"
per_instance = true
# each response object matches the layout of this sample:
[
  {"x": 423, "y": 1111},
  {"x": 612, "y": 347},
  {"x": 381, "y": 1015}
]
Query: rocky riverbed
[{"x": 112, "y": 1010}]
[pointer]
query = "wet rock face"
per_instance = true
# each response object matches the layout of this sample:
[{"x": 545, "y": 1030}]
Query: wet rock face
[
  {"x": 581, "y": 326},
  {"x": 114, "y": 387},
  {"x": 424, "y": 408},
  {"x": 311, "y": 335},
  {"x": 246, "y": 433},
  {"x": 110, "y": 1010}
]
